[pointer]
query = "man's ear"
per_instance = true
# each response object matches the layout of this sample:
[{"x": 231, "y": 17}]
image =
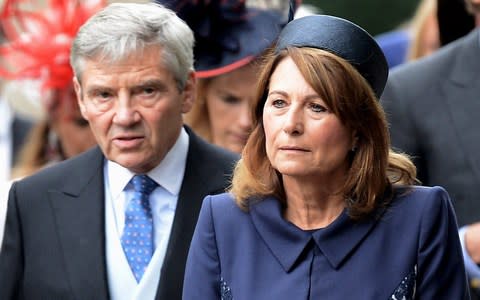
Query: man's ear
[
  {"x": 189, "y": 92},
  {"x": 78, "y": 92}
]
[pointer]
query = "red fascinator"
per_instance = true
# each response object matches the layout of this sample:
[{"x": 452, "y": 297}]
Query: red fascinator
[{"x": 38, "y": 39}]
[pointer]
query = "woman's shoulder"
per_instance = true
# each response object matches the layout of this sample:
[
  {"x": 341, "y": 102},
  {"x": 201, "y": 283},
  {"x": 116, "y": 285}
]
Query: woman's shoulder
[
  {"x": 223, "y": 205},
  {"x": 420, "y": 193},
  {"x": 421, "y": 200}
]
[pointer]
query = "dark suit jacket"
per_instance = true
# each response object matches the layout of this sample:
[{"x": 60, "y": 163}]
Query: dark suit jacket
[
  {"x": 54, "y": 243},
  {"x": 433, "y": 107},
  {"x": 241, "y": 255}
]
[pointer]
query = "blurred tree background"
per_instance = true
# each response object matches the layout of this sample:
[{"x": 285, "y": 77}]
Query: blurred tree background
[{"x": 376, "y": 16}]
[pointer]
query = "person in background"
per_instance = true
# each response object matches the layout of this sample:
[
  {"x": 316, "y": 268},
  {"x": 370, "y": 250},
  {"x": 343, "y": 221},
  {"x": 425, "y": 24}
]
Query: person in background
[
  {"x": 229, "y": 36},
  {"x": 38, "y": 51},
  {"x": 424, "y": 30},
  {"x": 432, "y": 107},
  {"x": 422, "y": 34},
  {"x": 455, "y": 20},
  {"x": 14, "y": 129},
  {"x": 117, "y": 220},
  {"x": 395, "y": 44},
  {"x": 320, "y": 206}
]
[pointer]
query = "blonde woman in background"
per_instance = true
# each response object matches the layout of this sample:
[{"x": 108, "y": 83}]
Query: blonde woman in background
[{"x": 424, "y": 31}]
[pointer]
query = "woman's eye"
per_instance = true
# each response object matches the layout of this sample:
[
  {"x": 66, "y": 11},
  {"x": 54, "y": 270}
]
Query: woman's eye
[{"x": 317, "y": 107}]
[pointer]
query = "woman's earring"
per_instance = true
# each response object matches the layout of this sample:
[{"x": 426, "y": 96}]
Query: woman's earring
[{"x": 355, "y": 142}]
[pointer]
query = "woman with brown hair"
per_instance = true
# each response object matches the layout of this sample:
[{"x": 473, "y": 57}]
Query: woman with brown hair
[{"x": 320, "y": 206}]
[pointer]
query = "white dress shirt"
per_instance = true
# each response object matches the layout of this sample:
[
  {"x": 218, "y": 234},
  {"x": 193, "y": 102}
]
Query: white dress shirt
[{"x": 163, "y": 201}]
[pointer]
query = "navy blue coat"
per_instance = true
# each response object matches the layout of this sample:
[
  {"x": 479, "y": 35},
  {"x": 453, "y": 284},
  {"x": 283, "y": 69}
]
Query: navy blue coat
[{"x": 412, "y": 250}]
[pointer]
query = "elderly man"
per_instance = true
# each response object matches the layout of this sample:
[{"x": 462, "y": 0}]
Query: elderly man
[{"x": 116, "y": 222}]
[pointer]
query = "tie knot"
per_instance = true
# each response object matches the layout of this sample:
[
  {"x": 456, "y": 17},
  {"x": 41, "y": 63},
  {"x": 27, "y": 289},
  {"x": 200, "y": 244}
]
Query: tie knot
[{"x": 143, "y": 184}]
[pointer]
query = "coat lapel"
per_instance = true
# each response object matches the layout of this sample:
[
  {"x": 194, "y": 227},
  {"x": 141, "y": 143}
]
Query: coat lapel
[
  {"x": 201, "y": 179},
  {"x": 78, "y": 208},
  {"x": 462, "y": 95}
]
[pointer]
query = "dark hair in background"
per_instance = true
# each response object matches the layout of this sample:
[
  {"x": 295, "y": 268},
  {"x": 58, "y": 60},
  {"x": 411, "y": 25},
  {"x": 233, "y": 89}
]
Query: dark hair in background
[
  {"x": 2, "y": 34},
  {"x": 454, "y": 21}
]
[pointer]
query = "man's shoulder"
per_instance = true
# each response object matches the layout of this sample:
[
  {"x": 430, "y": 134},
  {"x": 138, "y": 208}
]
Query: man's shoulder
[
  {"x": 68, "y": 169},
  {"x": 435, "y": 65}
]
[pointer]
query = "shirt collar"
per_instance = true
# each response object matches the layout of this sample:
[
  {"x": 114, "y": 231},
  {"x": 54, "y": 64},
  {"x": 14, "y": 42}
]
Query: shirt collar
[
  {"x": 168, "y": 174},
  {"x": 287, "y": 242}
]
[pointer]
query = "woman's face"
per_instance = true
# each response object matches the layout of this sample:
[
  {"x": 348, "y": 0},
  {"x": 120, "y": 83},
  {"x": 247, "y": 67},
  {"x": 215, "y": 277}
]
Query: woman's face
[
  {"x": 228, "y": 98},
  {"x": 73, "y": 131},
  {"x": 303, "y": 137}
]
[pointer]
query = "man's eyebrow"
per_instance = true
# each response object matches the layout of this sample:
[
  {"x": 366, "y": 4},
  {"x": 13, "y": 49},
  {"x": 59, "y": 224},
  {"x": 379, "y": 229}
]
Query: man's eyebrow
[
  {"x": 159, "y": 84},
  {"x": 96, "y": 88}
]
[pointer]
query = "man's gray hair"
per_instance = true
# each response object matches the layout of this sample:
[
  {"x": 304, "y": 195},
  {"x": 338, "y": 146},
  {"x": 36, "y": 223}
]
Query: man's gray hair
[{"x": 122, "y": 29}]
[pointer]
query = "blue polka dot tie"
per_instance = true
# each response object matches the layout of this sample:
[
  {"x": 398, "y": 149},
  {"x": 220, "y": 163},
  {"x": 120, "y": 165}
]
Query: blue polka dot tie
[{"x": 137, "y": 238}]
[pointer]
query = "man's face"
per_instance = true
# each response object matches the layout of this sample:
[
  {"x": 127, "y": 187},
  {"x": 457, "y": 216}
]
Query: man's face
[{"x": 134, "y": 108}]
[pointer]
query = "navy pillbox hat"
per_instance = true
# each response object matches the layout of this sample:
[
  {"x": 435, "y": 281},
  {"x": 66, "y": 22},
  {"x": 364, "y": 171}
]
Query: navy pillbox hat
[{"x": 342, "y": 38}]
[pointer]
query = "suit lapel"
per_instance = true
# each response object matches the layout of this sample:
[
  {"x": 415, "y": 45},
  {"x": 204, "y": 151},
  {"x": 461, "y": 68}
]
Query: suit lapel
[
  {"x": 184, "y": 222},
  {"x": 462, "y": 95},
  {"x": 200, "y": 179},
  {"x": 79, "y": 214}
]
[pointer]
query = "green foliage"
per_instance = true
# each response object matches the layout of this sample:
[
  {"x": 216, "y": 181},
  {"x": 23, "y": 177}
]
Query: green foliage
[{"x": 376, "y": 16}]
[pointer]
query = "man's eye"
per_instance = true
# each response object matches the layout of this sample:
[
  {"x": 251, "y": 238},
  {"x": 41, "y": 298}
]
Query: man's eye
[
  {"x": 102, "y": 95},
  {"x": 149, "y": 90}
]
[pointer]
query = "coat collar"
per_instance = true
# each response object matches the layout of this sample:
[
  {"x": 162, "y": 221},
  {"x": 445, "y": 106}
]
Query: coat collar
[{"x": 287, "y": 242}]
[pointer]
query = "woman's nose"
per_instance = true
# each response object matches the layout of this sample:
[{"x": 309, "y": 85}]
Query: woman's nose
[{"x": 293, "y": 123}]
